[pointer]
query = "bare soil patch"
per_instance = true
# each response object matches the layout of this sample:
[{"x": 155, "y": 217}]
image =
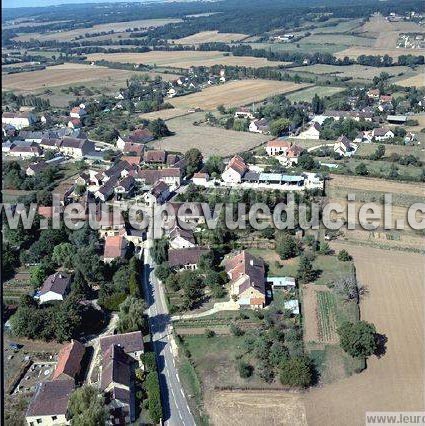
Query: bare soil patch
[
  {"x": 355, "y": 52},
  {"x": 66, "y": 74},
  {"x": 255, "y": 408},
  {"x": 209, "y": 37},
  {"x": 415, "y": 81},
  {"x": 184, "y": 59},
  {"x": 235, "y": 93}
]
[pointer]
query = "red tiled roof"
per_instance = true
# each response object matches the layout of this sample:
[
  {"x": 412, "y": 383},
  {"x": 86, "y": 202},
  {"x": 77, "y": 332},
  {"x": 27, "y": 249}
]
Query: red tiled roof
[
  {"x": 113, "y": 246},
  {"x": 69, "y": 361},
  {"x": 155, "y": 156},
  {"x": 132, "y": 160},
  {"x": 237, "y": 164},
  {"x": 133, "y": 147},
  {"x": 278, "y": 143}
]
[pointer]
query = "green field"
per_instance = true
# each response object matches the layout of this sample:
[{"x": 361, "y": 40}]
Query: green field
[
  {"x": 306, "y": 95},
  {"x": 326, "y": 315}
]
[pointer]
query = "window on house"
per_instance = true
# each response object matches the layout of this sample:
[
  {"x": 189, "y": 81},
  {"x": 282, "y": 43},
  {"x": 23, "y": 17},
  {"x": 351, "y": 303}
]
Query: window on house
[
  {"x": 54, "y": 417},
  {"x": 39, "y": 421}
]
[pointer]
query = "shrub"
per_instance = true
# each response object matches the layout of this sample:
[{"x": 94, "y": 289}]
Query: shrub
[
  {"x": 344, "y": 256},
  {"x": 296, "y": 371},
  {"x": 209, "y": 333},
  {"x": 245, "y": 370},
  {"x": 151, "y": 385}
]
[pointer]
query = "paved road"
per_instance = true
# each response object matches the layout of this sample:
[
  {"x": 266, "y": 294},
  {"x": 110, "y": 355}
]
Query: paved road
[{"x": 175, "y": 406}]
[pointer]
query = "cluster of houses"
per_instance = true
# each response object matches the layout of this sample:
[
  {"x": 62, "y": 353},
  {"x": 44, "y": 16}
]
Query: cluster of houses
[
  {"x": 256, "y": 125},
  {"x": 191, "y": 82},
  {"x": 120, "y": 355},
  {"x": 237, "y": 173}
]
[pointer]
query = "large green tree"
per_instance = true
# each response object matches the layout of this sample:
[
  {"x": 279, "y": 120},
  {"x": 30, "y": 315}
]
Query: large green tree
[
  {"x": 87, "y": 407},
  {"x": 358, "y": 339},
  {"x": 130, "y": 315},
  {"x": 296, "y": 371}
]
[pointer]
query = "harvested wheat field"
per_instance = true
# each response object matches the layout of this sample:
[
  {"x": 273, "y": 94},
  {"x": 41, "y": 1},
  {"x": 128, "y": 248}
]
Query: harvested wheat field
[
  {"x": 210, "y": 37},
  {"x": 355, "y": 52},
  {"x": 354, "y": 71},
  {"x": 255, "y": 408},
  {"x": 374, "y": 184},
  {"x": 209, "y": 140},
  {"x": 235, "y": 93},
  {"x": 395, "y": 304},
  {"x": 415, "y": 81},
  {"x": 116, "y": 26},
  {"x": 184, "y": 59},
  {"x": 66, "y": 74},
  {"x": 165, "y": 114}
]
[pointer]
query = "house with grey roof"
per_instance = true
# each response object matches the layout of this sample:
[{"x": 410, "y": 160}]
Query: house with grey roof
[
  {"x": 49, "y": 404},
  {"x": 55, "y": 287}
]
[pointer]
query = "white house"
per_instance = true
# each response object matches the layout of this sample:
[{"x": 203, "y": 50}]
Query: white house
[
  {"x": 244, "y": 113},
  {"x": 259, "y": 126},
  {"x": 344, "y": 147},
  {"x": 382, "y": 134},
  {"x": 19, "y": 120},
  {"x": 235, "y": 170},
  {"x": 181, "y": 238},
  {"x": 55, "y": 287},
  {"x": 132, "y": 343},
  {"x": 277, "y": 147},
  {"x": 78, "y": 111},
  {"x": 313, "y": 132},
  {"x": 49, "y": 404},
  {"x": 200, "y": 178}
]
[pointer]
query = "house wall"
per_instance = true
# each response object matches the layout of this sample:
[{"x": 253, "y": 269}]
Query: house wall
[
  {"x": 180, "y": 242},
  {"x": 50, "y": 296},
  {"x": 231, "y": 176},
  {"x": 47, "y": 420}
]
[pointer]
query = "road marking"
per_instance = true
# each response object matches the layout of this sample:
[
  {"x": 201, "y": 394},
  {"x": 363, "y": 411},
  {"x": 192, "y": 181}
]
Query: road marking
[
  {"x": 178, "y": 378},
  {"x": 181, "y": 390}
]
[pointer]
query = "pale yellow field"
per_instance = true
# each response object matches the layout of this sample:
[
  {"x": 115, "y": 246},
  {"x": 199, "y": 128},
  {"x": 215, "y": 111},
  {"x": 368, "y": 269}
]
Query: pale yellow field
[
  {"x": 354, "y": 71},
  {"x": 355, "y": 52},
  {"x": 210, "y": 36},
  {"x": 235, "y": 93},
  {"x": 183, "y": 59},
  {"x": 415, "y": 81},
  {"x": 116, "y": 26},
  {"x": 165, "y": 114},
  {"x": 395, "y": 304},
  {"x": 65, "y": 74}
]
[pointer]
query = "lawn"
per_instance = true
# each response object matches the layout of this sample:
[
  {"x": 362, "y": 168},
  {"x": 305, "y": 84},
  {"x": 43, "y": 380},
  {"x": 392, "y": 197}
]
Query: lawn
[
  {"x": 209, "y": 140},
  {"x": 306, "y": 95}
]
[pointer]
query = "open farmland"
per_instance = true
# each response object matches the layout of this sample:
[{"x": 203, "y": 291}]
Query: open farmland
[
  {"x": 184, "y": 59},
  {"x": 306, "y": 95},
  {"x": 235, "y": 93},
  {"x": 209, "y": 140},
  {"x": 115, "y": 26},
  {"x": 415, "y": 81},
  {"x": 210, "y": 37},
  {"x": 394, "y": 303},
  {"x": 66, "y": 74},
  {"x": 355, "y": 52},
  {"x": 353, "y": 71},
  {"x": 254, "y": 408}
]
